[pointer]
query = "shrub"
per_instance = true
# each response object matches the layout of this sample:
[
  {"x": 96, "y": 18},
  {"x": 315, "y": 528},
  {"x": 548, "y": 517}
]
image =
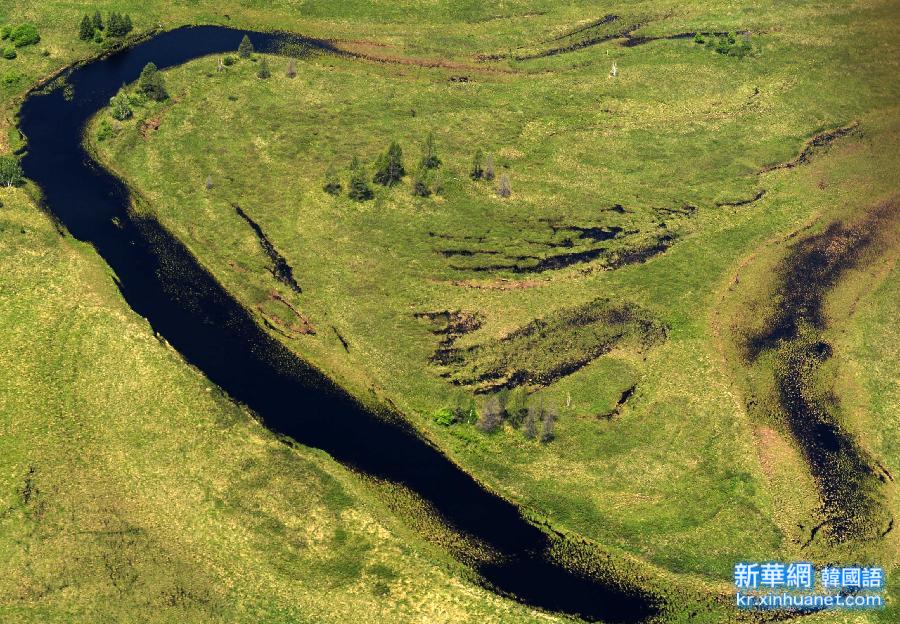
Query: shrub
[
  {"x": 5, "y": 32},
  {"x": 245, "y": 49},
  {"x": 12, "y": 77},
  {"x": 24, "y": 35},
  {"x": 699, "y": 38},
  {"x": 121, "y": 107},
  {"x": 263, "y": 71},
  {"x": 10, "y": 171},
  {"x": 389, "y": 168},
  {"x": 491, "y": 415},
  {"x": 105, "y": 131},
  {"x": 229, "y": 61},
  {"x": 9, "y": 53},
  {"x": 444, "y": 417},
  {"x": 137, "y": 98}
]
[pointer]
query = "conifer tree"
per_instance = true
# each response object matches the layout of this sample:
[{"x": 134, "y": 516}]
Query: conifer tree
[
  {"x": 358, "y": 188},
  {"x": 489, "y": 169},
  {"x": 477, "y": 171},
  {"x": 263, "y": 71},
  {"x": 245, "y": 49},
  {"x": 114, "y": 25},
  {"x": 504, "y": 189},
  {"x": 420, "y": 183},
  {"x": 151, "y": 83},
  {"x": 332, "y": 185},
  {"x": 97, "y": 21},
  {"x": 86, "y": 30},
  {"x": 389, "y": 168},
  {"x": 430, "y": 158}
]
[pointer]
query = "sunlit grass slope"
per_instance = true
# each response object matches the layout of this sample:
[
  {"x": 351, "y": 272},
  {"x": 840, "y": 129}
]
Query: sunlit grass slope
[
  {"x": 131, "y": 490},
  {"x": 676, "y": 477}
]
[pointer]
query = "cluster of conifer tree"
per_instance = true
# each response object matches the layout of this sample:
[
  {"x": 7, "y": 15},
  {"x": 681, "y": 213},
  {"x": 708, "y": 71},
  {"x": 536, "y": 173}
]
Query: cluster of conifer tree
[
  {"x": 390, "y": 170},
  {"x": 535, "y": 419},
  {"x": 116, "y": 25}
]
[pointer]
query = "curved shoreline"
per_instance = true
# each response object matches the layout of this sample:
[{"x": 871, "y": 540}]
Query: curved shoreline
[{"x": 162, "y": 281}]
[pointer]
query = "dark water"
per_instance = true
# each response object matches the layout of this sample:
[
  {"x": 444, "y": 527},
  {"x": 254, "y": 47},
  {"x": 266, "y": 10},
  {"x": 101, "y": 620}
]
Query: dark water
[{"x": 161, "y": 281}]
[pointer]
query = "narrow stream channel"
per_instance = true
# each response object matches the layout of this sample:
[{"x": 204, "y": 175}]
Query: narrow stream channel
[{"x": 162, "y": 282}]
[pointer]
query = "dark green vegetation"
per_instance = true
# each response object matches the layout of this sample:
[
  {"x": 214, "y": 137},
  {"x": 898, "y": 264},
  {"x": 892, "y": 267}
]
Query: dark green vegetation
[
  {"x": 93, "y": 28},
  {"x": 682, "y": 190},
  {"x": 547, "y": 349}
]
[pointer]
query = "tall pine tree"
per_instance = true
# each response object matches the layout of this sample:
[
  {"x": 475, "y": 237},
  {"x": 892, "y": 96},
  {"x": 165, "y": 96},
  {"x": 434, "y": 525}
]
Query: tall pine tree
[
  {"x": 151, "y": 83},
  {"x": 245, "y": 49},
  {"x": 389, "y": 168},
  {"x": 430, "y": 158},
  {"x": 86, "y": 30},
  {"x": 358, "y": 187}
]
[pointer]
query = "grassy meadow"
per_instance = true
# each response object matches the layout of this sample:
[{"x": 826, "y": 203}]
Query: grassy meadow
[
  {"x": 131, "y": 490},
  {"x": 629, "y": 193}
]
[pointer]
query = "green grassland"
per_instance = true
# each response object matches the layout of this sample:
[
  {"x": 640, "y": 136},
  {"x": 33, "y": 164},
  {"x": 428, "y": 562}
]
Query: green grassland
[
  {"x": 684, "y": 476},
  {"x": 131, "y": 490}
]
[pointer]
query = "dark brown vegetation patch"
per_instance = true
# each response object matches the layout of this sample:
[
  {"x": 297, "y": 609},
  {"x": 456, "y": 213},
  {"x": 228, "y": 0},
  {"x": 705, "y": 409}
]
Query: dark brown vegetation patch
[
  {"x": 844, "y": 473},
  {"x": 547, "y": 349}
]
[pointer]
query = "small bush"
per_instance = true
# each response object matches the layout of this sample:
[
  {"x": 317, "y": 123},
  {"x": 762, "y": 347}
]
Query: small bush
[
  {"x": 9, "y": 53},
  {"x": 263, "y": 71},
  {"x": 229, "y": 61},
  {"x": 121, "y": 107},
  {"x": 444, "y": 417},
  {"x": 12, "y": 77},
  {"x": 24, "y": 35},
  {"x": 5, "y": 32},
  {"x": 105, "y": 131},
  {"x": 10, "y": 171}
]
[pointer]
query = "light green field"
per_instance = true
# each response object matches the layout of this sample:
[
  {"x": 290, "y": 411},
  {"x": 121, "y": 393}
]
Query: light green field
[
  {"x": 132, "y": 490},
  {"x": 686, "y": 475}
]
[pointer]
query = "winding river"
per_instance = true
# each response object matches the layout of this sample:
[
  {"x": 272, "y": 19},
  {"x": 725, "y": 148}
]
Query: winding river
[{"x": 164, "y": 283}]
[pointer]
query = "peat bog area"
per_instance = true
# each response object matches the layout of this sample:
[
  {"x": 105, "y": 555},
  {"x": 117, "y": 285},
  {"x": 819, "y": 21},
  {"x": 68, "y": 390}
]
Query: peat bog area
[
  {"x": 164, "y": 283},
  {"x": 847, "y": 478}
]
